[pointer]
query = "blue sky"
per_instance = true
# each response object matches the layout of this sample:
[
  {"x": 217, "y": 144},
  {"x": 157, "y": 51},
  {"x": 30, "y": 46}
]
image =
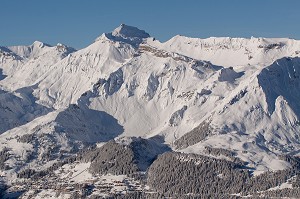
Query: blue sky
[{"x": 78, "y": 22}]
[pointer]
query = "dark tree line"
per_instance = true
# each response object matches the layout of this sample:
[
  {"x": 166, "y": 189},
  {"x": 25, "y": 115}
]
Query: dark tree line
[
  {"x": 225, "y": 152},
  {"x": 117, "y": 158},
  {"x": 26, "y": 138},
  {"x": 194, "y": 136},
  {"x": 4, "y": 155},
  {"x": 179, "y": 174}
]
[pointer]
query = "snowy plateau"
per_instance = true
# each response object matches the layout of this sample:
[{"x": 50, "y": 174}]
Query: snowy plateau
[{"x": 131, "y": 117}]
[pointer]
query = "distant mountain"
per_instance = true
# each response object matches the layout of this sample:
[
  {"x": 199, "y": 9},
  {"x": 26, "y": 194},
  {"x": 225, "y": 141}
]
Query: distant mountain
[{"x": 128, "y": 113}]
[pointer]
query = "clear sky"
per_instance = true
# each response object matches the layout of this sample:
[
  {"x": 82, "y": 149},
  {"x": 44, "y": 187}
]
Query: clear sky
[{"x": 78, "y": 22}]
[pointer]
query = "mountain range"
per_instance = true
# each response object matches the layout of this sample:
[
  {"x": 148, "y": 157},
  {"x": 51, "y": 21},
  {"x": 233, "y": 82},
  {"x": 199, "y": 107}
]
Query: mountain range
[{"x": 130, "y": 116}]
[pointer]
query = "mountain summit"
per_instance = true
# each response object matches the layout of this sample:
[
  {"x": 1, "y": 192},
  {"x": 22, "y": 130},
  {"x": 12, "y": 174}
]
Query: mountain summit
[
  {"x": 127, "y": 34},
  {"x": 126, "y": 31}
]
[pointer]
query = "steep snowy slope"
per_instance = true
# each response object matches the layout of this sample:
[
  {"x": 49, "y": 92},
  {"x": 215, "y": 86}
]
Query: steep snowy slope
[
  {"x": 20, "y": 67},
  {"x": 262, "y": 114},
  {"x": 150, "y": 88},
  {"x": 18, "y": 108},
  {"x": 165, "y": 102},
  {"x": 75, "y": 74},
  {"x": 25, "y": 64},
  {"x": 10, "y": 61}
]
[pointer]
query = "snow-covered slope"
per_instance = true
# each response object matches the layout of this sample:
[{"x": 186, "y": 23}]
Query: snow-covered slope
[
  {"x": 228, "y": 51},
  {"x": 23, "y": 65},
  {"x": 236, "y": 94}
]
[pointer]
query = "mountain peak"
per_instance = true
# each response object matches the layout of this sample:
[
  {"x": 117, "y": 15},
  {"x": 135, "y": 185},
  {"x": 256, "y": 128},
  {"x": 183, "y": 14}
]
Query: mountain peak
[
  {"x": 127, "y": 34},
  {"x": 126, "y": 31},
  {"x": 64, "y": 48},
  {"x": 39, "y": 44}
]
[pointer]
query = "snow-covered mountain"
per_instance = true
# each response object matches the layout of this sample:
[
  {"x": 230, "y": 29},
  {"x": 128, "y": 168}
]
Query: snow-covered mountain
[{"x": 190, "y": 95}]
